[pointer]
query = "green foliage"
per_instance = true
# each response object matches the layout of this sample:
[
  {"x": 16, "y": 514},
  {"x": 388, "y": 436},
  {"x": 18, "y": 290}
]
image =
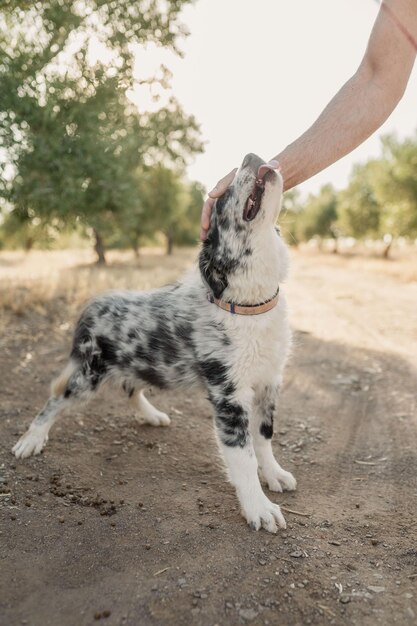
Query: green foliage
[
  {"x": 166, "y": 204},
  {"x": 289, "y": 217},
  {"x": 396, "y": 186},
  {"x": 72, "y": 141},
  {"x": 319, "y": 215},
  {"x": 19, "y": 230},
  {"x": 359, "y": 207},
  {"x": 380, "y": 200},
  {"x": 170, "y": 206}
]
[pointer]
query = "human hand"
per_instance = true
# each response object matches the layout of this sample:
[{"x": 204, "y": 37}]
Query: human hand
[{"x": 217, "y": 191}]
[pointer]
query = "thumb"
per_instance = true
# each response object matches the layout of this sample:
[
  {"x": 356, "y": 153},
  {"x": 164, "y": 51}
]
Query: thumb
[{"x": 225, "y": 182}]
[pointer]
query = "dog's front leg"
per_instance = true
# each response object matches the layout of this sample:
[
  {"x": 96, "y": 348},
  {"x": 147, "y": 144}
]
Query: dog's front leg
[
  {"x": 262, "y": 428},
  {"x": 232, "y": 423}
]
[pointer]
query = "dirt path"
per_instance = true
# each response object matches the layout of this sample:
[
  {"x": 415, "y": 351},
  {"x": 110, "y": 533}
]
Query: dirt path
[{"x": 124, "y": 524}]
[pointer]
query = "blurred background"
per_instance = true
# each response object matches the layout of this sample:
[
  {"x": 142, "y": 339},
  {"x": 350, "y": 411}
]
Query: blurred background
[{"x": 115, "y": 117}]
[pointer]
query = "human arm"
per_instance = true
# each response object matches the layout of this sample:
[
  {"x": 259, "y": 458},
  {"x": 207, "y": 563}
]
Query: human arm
[
  {"x": 359, "y": 108},
  {"x": 363, "y": 103}
]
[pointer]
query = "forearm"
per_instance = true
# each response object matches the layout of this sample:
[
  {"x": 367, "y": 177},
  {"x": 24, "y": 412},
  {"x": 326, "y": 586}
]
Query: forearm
[
  {"x": 357, "y": 110},
  {"x": 364, "y": 103}
]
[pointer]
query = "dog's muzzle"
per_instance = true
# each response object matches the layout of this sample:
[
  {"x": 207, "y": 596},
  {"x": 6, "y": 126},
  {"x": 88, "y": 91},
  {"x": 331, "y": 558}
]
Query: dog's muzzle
[{"x": 253, "y": 203}]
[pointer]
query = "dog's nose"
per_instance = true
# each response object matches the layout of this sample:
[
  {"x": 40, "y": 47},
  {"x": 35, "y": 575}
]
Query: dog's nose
[{"x": 253, "y": 162}]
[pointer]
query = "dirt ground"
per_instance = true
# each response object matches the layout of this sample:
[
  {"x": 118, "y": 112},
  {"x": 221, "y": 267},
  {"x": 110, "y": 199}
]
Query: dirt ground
[{"x": 122, "y": 524}]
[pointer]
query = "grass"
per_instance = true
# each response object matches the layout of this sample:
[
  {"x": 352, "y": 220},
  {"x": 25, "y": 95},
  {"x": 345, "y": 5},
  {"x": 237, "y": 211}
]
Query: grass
[
  {"x": 39, "y": 280},
  {"x": 34, "y": 281}
]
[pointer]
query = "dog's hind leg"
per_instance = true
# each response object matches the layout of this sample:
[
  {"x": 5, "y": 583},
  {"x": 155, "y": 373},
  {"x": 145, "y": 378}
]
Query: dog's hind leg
[
  {"x": 232, "y": 422},
  {"x": 262, "y": 428},
  {"x": 35, "y": 438},
  {"x": 69, "y": 387},
  {"x": 146, "y": 412}
]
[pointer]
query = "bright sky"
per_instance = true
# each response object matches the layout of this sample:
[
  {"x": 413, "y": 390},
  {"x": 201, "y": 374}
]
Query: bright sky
[{"x": 256, "y": 74}]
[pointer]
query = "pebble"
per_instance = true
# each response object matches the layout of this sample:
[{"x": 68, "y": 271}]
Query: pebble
[
  {"x": 98, "y": 615},
  {"x": 297, "y": 554},
  {"x": 248, "y": 614},
  {"x": 344, "y": 599}
]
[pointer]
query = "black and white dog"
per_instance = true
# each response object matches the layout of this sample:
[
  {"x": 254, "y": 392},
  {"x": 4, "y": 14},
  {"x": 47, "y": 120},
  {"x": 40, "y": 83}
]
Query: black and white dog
[{"x": 223, "y": 327}]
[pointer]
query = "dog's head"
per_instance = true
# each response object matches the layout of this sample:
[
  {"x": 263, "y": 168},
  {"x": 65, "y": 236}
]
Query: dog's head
[{"x": 242, "y": 242}]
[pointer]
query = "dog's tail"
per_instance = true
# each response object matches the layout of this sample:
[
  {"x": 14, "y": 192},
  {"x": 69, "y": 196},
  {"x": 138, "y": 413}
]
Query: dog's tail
[{"x": 59, "y": 385}]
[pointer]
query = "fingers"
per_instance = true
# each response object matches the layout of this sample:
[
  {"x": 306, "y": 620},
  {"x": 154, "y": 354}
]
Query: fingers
[
  {"x": 205, "y": 217},
  {"x": 216, "y": 192},
  {"x": 223, "y": 184}
]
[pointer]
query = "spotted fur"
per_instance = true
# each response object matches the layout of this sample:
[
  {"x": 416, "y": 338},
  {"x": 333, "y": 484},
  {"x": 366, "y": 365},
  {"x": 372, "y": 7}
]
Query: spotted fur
[{"x": 174, "y": 336}]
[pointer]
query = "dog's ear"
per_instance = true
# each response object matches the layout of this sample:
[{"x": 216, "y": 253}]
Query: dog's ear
[{"x": 210, "y": 262}]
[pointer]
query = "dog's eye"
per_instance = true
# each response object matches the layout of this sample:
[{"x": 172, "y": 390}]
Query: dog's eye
[{"x": 220, "y": 202}]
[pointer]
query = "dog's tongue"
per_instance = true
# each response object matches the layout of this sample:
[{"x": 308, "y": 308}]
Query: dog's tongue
[{"x": 266, "y": 167}]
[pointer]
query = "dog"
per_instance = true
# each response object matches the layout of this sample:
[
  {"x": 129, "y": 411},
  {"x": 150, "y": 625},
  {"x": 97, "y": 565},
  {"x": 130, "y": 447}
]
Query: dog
[{"x": 224, "y": 327}]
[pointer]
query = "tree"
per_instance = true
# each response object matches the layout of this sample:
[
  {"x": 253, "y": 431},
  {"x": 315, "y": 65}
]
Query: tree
[
  {"x": 289, "y": 217},
  {"x": 381, "y": 198},
  {"x": 73, "y": 140},
  {"x": 396, "y": 186},
  {"x": 319, "y": 216},
  {"x": 187, "y": 229},
  {"x": 170, "y": 205},
  {"x": 359, "y": 207}
]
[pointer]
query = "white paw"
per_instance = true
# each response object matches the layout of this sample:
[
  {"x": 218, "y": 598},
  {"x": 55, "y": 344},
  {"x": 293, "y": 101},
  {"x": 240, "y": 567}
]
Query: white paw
[
  {"x": 32, "y": 442},
  {"x": 278, "y": 479},
  {"x": 154, "y": 418},
  {"x": 263, "y": 514}
]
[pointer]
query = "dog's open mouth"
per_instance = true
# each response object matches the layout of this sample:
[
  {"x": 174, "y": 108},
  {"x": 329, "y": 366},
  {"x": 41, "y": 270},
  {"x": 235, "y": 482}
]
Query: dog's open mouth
[{"x": 253, "y": 203}]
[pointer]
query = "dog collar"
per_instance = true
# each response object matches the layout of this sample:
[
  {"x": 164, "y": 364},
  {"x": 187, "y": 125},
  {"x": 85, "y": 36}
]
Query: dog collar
[{"x": 245, "y": 309}]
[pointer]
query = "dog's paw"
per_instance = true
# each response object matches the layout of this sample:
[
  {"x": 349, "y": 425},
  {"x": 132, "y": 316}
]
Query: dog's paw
[
  {"x": 264, "y": 514},
  {"x": 154, "y": 418},
  {"x": 32, "y": 442},
  {"x": 278, "y": 479}
]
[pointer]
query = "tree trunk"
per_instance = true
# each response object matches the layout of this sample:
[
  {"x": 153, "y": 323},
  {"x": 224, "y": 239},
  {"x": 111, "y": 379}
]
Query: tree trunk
[
  {"x": 336, "y": 245},
  {"x": 99, "y": 248},
  {"x": 135, "y": 248},
  {"x": 29, "y": 243},
  {"x": 170, "y": 243},
  {"x": 385, "y": 254}
]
